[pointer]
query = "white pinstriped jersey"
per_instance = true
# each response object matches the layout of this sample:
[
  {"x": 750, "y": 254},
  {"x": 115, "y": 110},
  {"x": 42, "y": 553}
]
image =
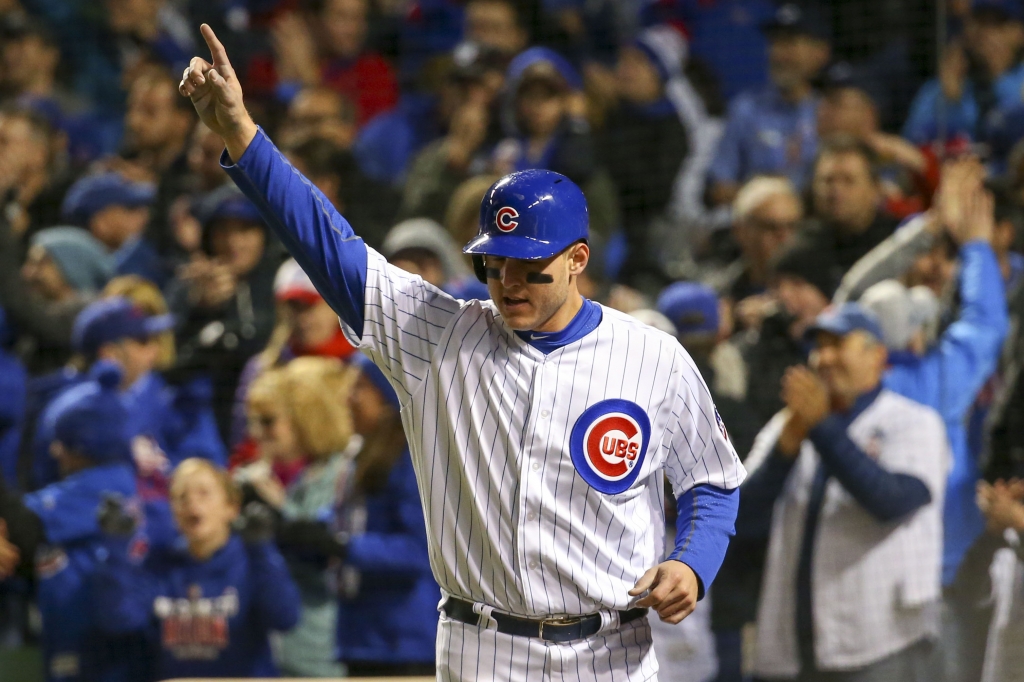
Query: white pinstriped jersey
[{"x": 513, "y": 448}]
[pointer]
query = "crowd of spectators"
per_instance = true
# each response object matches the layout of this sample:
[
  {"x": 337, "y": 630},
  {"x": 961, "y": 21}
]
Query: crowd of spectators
[{"x": 201, "y": 476}]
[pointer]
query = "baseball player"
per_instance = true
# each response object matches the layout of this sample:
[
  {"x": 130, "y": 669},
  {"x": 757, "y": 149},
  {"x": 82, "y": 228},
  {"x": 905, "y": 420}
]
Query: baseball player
[{"x": 539, "y": 423}]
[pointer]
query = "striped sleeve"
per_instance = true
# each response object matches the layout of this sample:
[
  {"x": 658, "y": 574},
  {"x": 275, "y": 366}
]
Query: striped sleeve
[
  {"x": 700, "y": 451},
  {"x": 404, "y": 319}
]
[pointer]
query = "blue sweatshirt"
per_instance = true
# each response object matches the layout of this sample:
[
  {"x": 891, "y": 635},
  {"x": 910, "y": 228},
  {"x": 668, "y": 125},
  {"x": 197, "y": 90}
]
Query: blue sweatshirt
[
  {"x": 72, "y": 647},
  {"x": 13, "y": 387},
  {"x": 203, "y": 618},
  {"x": 392, "y": 617},
  {"x": 327, "y": 249},
  {"x": 948, "y": 379}
]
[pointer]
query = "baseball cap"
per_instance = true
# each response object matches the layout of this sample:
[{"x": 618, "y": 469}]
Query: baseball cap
[
  {"x": 113, "y": 319},
  {"x": 291, "y": 283},
  {"x": 226, "y": 202},
  {"x": 804, "y": 260},
  {"x": 844, "y": 319},
  {"x": 94, "y": 193},
  {"x": 691, "y": 307},
  {"x": 792, "y": 19}
]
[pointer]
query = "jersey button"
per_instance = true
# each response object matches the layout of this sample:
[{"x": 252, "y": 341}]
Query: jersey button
[
  {"x": 533, "y": 565},
  {"x": 531, "y": 517},
  {"x": 544, "y": 414},
  {"x": 536, "y": 466}
]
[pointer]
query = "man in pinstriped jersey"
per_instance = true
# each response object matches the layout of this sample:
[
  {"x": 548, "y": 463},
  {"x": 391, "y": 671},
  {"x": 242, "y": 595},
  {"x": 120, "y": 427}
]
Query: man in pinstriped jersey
[{"x": 541, "y": 424}]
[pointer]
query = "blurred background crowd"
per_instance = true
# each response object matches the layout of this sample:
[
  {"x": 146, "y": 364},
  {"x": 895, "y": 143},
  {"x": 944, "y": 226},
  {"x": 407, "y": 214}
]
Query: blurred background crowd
[{"x": 202, "y": 477}]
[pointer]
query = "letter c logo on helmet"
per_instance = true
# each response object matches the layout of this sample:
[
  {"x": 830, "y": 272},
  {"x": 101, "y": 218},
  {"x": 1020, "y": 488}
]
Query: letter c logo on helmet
[{"x": 505, "y": 219}]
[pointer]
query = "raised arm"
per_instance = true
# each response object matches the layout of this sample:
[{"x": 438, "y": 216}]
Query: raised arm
[{"x": 397, "y": 317}]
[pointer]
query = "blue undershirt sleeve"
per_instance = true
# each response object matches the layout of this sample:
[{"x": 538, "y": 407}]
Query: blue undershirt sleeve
[
  {"x": 885, "y": 495},
  {"x": 320, "y": 240},
  {"x": 706, "y": 521}
]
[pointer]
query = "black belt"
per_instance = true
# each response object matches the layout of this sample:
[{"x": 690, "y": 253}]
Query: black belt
[{"x": 561, "y": 629}]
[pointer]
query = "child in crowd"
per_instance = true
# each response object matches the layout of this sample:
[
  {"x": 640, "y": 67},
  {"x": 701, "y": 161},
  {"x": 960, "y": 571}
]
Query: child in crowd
[
  {"x": 57, "y": 527},
  {"x": 207, "y": 604}
]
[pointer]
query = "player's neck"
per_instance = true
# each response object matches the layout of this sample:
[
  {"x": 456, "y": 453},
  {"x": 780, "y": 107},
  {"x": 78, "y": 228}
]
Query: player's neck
[{"x": 564, "y": 315}]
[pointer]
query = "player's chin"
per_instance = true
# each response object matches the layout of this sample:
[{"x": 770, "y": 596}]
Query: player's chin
[{"x": 520, "y": 315}]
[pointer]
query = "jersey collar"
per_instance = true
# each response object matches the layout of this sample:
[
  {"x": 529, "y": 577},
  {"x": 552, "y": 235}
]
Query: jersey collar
[{"x": 584, "y": 322}]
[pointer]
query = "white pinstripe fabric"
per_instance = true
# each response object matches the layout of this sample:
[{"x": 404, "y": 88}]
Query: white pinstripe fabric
[{"x": 510, "y": 521}]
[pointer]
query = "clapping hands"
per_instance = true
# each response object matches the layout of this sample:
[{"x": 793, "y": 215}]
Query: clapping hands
[{"x": 1002, "y": 503}]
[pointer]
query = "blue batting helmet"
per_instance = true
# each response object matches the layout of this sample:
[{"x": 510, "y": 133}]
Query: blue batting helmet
[{"x": 529, "y": 215}]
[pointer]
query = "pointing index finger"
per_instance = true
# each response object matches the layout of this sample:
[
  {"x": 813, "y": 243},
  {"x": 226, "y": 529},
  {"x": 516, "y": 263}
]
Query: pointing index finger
[{"x": 217, "y": 51}]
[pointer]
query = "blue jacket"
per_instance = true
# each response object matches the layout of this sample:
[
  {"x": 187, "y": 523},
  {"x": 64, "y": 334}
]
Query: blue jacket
[
  {"x": 13, "y": 388},
  {"x": 178, "y": 419},
  {"x": 393, "y": 616},
  {"x": 765, "y": 134},
  {"x": 67, "y": 509},
  {"x": 203, "y": 619},
  {"x": 949, "y": 377},
  {"x": 962, "y": 118}
]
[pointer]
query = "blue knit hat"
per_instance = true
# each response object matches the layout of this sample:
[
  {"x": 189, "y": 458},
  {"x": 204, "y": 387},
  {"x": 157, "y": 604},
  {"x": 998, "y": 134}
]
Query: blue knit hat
[
  {"x": 81, "y": 258},
  {"x": 91, "y": 419},
  {"x": 667, "y": 49},
  {"x": 94, "y": 193}
]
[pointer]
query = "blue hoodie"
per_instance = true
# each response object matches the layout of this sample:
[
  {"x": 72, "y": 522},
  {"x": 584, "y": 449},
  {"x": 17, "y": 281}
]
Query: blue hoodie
[
  {"x": 949, "y": 377},
  {"x": 203, "y": 618},
  {"x": 13, "y": 396},
  {"x": 177, "y": 418},
  {"x": 392, "y": 617},
  {"x": 72, "y": 647}
]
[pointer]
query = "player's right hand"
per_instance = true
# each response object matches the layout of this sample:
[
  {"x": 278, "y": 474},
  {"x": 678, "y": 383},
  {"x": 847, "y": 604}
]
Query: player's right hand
[{"x": 217, "y": 96}]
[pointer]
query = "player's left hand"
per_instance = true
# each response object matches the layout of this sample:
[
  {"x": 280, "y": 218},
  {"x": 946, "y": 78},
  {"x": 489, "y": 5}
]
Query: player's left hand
[{"x": 673, "y": 590}]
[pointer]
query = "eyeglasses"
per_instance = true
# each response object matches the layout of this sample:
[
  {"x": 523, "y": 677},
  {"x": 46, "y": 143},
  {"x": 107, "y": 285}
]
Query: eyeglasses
[{"x": 264, "y": 422}]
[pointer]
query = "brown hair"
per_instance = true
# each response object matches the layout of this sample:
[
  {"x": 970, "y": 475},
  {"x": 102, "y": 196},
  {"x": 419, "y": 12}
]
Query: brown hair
[
  {"x": 148, "y": 298},
  {"x": 464, "y": 207},
  {"x": 195, "y": 464},
  {"x": 380, "y": 453},
  {"x": 314, "y": 393}
]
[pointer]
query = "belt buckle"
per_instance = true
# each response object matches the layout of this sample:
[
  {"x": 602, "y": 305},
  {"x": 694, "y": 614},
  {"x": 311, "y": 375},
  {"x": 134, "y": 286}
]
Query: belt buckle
[{"x": 560, "y": 620}]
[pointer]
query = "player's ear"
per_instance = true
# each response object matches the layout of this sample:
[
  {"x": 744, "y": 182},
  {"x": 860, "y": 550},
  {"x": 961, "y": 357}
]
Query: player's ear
[{"x": 579, "y": 256}]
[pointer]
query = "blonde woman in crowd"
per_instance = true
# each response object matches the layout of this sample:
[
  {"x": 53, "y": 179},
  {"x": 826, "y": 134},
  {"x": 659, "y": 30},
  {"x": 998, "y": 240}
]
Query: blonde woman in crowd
[{"x": 300, "y": 421}]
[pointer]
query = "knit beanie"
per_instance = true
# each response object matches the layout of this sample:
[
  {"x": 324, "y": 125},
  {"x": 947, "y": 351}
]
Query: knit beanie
[
  {"x": 92, "y": 422},
  {"x": 809, "y": 263},
  {"x": 81, "y": 258},
  {"x": 666, "y": 47}
]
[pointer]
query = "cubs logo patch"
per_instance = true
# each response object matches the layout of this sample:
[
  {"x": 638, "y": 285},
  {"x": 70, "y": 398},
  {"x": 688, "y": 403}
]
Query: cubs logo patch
[
  {"x": 608, "y": 444},
  {"x": 506, "y": 219}
]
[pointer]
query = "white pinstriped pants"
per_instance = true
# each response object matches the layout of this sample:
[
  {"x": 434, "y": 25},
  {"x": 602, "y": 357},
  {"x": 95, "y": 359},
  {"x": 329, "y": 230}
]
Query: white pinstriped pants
[{"x": 468, "y": 653}]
